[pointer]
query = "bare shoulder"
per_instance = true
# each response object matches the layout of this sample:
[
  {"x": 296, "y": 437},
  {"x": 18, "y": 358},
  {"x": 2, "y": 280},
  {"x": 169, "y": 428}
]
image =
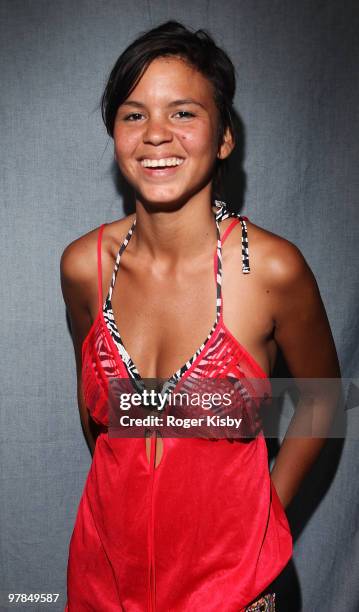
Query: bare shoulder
[
  {"x": 277, "y": 260},
  {"x": 78, "y": 262}
]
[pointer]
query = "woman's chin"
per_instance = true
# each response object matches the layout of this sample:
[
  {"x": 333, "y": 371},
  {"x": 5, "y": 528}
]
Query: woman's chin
[{"x": 162, "y": 202}]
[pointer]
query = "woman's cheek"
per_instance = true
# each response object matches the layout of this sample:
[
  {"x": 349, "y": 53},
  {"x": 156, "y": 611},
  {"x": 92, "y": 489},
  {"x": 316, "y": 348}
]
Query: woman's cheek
[
  {"x": 125, "y": 141},
  {"x": 198, "y": 140}
]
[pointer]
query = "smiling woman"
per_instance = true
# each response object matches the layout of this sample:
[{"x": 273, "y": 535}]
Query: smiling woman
[{"x": 184, "y": 523}]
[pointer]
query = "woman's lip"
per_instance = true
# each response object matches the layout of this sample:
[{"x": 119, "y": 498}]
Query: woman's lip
[{"x": 164, "y": 171}]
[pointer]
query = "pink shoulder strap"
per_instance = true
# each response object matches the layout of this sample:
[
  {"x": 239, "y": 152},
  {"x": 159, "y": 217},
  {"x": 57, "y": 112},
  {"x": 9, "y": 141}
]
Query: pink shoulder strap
[
  {"x": 229, "y": 229},
  {"x": 99, "y": 266}
]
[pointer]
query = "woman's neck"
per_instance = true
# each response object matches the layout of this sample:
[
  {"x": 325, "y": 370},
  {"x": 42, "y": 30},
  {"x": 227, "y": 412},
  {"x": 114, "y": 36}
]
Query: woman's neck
[{"x": 172, "y": 236}]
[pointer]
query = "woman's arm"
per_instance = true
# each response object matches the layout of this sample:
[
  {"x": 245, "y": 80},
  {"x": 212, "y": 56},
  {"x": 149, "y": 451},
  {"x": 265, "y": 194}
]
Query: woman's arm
[
  {"x": 78, "y": 281},
  {"x": 304, "y": 336}
]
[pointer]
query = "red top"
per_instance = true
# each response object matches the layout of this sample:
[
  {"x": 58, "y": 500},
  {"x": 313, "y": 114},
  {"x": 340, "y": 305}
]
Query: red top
[{"x": 205, "y": 529}]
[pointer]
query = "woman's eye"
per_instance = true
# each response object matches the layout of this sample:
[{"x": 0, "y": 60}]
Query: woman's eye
[
  {"x": 132, "y": 117},
  {"x": 185, "y": 114}
]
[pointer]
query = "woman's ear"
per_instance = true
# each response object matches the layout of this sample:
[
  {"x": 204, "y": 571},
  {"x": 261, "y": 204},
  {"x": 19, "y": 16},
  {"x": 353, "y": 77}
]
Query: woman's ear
[{"x": 227, "y": 145}]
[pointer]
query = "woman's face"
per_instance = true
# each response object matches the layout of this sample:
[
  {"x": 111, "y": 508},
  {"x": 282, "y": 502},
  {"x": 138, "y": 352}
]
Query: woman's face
[{"x": 165, "y": 133}]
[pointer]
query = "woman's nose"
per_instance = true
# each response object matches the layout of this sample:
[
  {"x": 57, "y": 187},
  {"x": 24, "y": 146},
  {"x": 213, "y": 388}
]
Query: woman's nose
[{"x": 157, "y": 131}]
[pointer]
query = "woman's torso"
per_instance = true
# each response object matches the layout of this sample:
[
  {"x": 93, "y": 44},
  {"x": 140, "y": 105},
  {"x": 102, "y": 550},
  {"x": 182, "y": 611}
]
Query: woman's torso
[{"x": 164, "y": 318}]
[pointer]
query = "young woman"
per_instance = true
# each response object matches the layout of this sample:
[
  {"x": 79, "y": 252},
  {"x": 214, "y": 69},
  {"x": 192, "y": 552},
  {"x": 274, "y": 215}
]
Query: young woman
[{"x": 183, "y": 288}]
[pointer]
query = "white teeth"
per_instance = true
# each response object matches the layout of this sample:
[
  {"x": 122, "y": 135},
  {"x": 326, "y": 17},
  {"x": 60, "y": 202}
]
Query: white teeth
[{"x": 161, "y": 163}]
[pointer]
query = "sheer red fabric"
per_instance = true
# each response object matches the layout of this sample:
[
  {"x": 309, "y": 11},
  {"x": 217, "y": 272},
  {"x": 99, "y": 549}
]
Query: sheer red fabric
[{"x": 204, "y": 530}]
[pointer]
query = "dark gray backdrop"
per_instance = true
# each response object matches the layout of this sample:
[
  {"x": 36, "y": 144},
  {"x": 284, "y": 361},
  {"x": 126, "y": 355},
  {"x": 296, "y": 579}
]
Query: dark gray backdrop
[{"x": 298, "y": 99}]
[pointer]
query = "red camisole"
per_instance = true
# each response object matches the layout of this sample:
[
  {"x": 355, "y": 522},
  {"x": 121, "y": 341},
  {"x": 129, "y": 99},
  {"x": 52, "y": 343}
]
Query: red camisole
[{"x": 205, "y": 529}]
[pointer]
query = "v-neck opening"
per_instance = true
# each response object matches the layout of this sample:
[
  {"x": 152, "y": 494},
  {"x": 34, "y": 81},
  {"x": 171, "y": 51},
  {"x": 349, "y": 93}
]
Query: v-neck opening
[{"x": 108, "y": 308}]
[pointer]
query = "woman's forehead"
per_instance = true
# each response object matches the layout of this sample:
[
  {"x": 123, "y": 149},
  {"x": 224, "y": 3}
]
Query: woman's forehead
[{"x": 173, "y": 78}]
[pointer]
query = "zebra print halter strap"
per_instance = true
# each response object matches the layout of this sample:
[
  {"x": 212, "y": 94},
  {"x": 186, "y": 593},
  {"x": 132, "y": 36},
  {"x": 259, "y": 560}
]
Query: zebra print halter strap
[{"x": 223, "y": 213}]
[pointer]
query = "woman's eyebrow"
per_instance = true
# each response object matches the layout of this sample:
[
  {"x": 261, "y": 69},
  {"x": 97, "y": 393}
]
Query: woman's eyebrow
[
  {"x": 173, "y": 103},
  {"x": 186, "y": 101},
  {"x": 133, "y": 103}
]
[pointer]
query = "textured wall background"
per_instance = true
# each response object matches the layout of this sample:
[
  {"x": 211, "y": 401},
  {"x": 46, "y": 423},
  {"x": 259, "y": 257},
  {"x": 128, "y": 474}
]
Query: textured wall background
[{"x": 298, "y": 99}]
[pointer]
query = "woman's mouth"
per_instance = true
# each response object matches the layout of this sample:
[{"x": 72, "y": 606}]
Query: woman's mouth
[{"x": 161, "y": 167}]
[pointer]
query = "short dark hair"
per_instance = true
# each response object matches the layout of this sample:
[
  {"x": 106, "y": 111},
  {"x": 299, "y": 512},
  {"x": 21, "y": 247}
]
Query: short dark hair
[{"x": 171, "y": 38}]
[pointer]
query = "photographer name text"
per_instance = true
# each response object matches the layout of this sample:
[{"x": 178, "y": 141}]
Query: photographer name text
[{"x": 172, "y": 421}]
